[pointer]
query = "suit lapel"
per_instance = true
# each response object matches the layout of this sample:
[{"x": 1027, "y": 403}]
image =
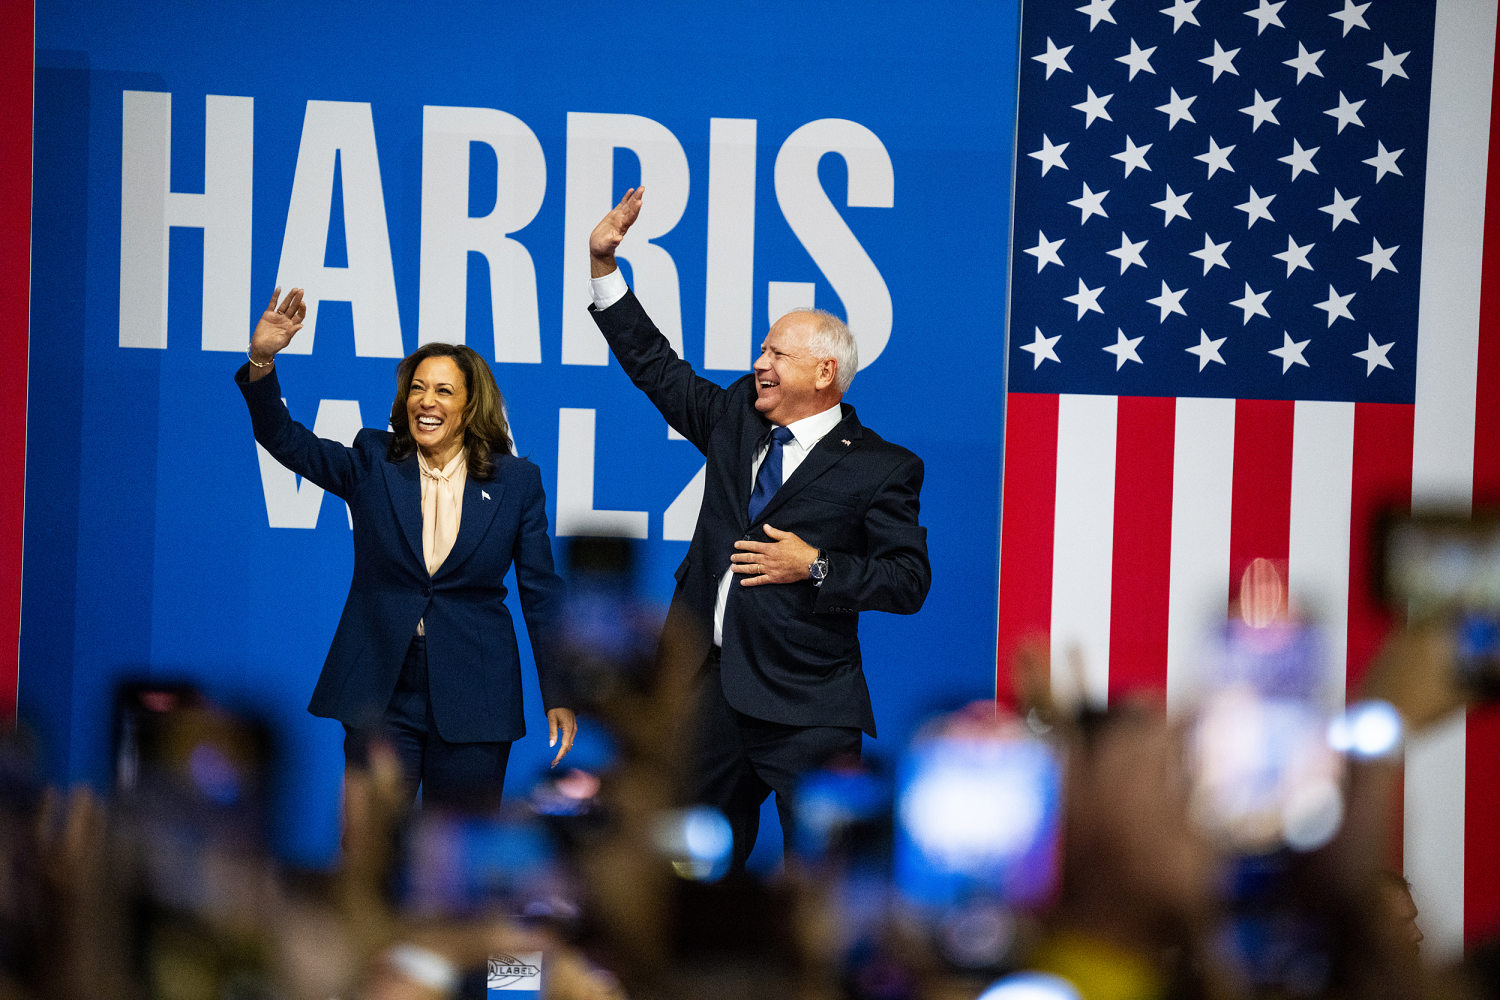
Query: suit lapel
[
  {"x": 481, "y": 501},
  {"x": 828, "y": 452},
  {"x": 404, "y": 482}
]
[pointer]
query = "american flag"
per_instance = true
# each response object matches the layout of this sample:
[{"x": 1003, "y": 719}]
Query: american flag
[{"x": 1245, "y": 315}]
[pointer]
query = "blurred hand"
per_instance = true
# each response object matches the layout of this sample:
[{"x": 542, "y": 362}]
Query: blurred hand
[{"x": 1417, "y": 672}]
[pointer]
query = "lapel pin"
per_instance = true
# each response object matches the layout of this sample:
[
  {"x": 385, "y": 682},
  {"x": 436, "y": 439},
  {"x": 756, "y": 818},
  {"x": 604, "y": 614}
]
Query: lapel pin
[
  {"x": 846, "y": 442},
  {"x": 486, "y": 495}
]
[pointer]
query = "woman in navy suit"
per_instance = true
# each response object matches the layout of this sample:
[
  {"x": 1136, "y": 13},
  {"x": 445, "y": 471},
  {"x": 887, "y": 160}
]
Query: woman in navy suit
[{"x": 425, "y": 654}]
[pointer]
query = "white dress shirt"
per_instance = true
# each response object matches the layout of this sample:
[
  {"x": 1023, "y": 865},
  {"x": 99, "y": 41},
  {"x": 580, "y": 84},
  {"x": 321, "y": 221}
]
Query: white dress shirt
[{"x": 805, "y": 433}]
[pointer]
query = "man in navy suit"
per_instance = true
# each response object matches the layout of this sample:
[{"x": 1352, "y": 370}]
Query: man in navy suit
[{"x": 800, "y": 530}]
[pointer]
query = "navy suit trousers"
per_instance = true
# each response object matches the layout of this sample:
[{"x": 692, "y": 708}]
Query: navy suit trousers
[
  {"x": 738, "y": 760},
  {"x": 460, "y": 776}
]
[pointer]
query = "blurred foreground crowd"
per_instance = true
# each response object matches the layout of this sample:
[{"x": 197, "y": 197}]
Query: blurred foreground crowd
[{"x": 1092, "y": 874}]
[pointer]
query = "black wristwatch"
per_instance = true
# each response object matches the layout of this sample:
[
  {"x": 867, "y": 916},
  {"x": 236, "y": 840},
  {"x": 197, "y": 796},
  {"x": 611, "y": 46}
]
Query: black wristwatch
[{"x": 817, "y": 570}]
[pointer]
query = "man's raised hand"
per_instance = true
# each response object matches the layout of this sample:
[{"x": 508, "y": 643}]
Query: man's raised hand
[{"x": 611, "y": 230}]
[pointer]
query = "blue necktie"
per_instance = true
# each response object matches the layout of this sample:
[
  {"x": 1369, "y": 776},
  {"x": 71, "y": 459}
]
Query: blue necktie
[{"x": 768, "y": 479}]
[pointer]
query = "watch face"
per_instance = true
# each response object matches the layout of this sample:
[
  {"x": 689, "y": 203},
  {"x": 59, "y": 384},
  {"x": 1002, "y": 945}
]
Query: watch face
[{"x": 819, "y": 568}]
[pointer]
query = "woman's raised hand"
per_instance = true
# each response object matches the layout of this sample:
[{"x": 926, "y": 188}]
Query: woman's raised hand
[{"x": 278, "y": 325}]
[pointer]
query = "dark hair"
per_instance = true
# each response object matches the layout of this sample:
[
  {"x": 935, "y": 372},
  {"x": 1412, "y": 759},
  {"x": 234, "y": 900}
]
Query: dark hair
[{"x": 486, "y": 430}]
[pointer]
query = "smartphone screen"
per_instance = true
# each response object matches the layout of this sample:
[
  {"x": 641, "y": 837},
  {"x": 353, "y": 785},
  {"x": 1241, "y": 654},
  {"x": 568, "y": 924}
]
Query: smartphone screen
[
  {"x": 978, "y": 815},
  {"x": 1448, "y": 565},
  {"x": 1264, "y": 774},
  {"x": 1435, "y": 563}
]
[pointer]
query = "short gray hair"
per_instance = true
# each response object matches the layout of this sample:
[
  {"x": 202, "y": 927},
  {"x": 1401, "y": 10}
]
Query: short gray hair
[{"x": 830, "y": 338}]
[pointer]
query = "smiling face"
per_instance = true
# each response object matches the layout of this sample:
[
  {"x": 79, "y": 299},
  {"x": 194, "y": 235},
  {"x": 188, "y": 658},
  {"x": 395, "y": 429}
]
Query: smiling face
[
  {"x": 790, "y": 383},
  {"x": 435, "y": 409}
]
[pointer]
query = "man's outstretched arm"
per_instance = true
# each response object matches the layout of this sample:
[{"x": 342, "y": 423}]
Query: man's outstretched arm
[{"x": 689, "y": 402}]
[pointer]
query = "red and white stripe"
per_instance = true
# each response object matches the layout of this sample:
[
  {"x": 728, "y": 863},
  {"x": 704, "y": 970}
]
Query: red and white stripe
[{"x": 1451, "y": 775}]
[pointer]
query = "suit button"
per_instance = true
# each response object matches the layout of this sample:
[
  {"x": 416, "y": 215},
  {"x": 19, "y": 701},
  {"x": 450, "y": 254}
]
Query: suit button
[{"x": 426, "y": 591}]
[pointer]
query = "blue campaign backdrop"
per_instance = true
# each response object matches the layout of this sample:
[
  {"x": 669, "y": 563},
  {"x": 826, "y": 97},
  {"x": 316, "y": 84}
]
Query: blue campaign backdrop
[{"x": 426, "y": 172}]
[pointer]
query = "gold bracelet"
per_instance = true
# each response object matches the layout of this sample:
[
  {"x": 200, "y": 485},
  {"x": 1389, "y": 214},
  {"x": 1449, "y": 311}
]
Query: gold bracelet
[{"x": 259, "y": 364}]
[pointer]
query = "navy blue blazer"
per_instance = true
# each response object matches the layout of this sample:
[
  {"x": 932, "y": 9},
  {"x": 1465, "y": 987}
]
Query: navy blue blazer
[
  {"x": 791, "y": 652},
  {"x": 474, "y": 664}
]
